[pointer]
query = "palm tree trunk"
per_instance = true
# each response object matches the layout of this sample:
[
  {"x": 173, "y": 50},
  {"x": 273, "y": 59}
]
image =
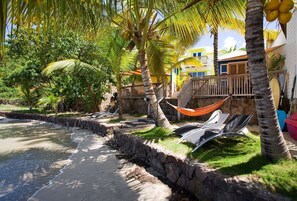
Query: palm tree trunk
[
  {"x": 215, "y": 50},
  {"x": 158, "y": 114},
  {"x": 273, "y": 144}
]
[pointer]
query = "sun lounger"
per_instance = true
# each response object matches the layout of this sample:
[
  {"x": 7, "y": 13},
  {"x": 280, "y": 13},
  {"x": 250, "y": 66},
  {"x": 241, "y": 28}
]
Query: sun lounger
[
  {"x": 212, "y": 119},
  {"x": 217, "y": 125},
  {"x": 234, "y": 127},
  {"x": 105, "y": 114}
]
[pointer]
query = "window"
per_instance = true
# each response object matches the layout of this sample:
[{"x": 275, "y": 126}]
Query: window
[
  {"x": 197, "y": 74},
  {"x": 201, "y": 73},
  {"x": 197, "y": 54},
  {"x": 224, "y": 69}
]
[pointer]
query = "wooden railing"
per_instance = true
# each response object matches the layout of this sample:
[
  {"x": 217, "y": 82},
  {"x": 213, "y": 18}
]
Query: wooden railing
[
  {"x": 185, "y": 94},
  {"x": 236, "y": 84}
]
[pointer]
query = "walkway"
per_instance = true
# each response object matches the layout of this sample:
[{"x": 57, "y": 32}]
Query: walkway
[{"x": 96, "y": 173}]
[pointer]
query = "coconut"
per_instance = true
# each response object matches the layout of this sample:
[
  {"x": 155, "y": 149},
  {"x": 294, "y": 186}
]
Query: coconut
[
  {"x": 272, "y": 5},
  {"x": 284, "y": 18},
  {"x": 286, "y": 6},
  {"x": 271, "y": 16}
]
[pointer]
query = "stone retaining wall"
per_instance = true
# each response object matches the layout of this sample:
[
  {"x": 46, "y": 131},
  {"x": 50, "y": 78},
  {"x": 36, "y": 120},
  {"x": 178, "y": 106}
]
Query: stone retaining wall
[
  {"x": 204, "y": 183},
  {"x": 234, "y": 105}
]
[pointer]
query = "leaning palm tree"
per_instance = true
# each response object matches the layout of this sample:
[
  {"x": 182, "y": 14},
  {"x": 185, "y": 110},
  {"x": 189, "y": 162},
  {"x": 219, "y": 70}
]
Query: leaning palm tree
[{"x": 272, "y": 141}]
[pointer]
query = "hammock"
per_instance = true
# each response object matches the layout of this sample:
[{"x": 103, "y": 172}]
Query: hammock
[{"x": 199, "y": 111}]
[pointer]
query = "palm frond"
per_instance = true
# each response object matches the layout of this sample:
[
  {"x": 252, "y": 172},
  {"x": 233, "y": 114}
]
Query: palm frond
[{"x": 69, "y": 66}]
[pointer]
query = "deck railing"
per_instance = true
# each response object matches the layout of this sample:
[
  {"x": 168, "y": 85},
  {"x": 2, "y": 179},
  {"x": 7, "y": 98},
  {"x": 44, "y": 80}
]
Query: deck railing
[{"x": 236, "y": 84}]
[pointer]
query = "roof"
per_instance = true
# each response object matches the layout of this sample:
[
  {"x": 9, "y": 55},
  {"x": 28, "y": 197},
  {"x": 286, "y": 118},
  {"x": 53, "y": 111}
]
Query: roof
[
  {"x": 235, "y": 55},
  {"x": 240, "y": 54}
]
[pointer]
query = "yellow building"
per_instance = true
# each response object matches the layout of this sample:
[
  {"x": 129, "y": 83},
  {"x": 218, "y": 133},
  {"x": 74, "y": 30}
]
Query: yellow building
[{"x": 180, "y": 76}]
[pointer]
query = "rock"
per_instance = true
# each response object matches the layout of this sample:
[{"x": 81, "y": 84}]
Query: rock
[{"x": 172, "y": 172}]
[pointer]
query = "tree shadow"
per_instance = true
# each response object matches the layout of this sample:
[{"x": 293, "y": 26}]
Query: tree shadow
[
  {"x": 253, "y": 164},
  {"x": 155, "y": 134},
  {"x": 37, "y": 132}
]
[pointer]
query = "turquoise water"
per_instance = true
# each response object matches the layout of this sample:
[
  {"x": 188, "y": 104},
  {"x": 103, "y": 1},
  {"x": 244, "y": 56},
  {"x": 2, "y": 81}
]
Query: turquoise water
[{"x": 31, "y": 154}]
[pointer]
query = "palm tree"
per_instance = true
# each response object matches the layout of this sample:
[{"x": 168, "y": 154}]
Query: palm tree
[
  {"x": 230, "y": 14},
  {"x": 120, "y": 60},
  {"x": 148, "y": 21},
  {"x": 272, "y": 142}
]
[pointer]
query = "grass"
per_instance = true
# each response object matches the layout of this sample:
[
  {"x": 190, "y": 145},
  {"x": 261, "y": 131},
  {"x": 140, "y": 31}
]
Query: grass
[
  {"x": 116, "y": 120},
  {"x": 236, "y": 156},
  {"x": 22, "y": 109},
  {"x": 139, "y": 115}
]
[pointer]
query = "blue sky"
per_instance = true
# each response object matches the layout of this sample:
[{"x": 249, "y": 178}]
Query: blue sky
[{"x": 227, "y": 39}]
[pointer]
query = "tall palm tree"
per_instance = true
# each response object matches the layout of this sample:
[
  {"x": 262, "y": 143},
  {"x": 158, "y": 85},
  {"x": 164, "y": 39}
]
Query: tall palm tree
[
  {"x": 147, "y": 21},
  {"x": 222, "y": 14},
  {"x": 272, "y": 142}
]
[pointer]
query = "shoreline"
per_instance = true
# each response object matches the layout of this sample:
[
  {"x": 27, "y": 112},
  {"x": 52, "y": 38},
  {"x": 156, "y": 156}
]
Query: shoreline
[{"x": 191, "y": 176}]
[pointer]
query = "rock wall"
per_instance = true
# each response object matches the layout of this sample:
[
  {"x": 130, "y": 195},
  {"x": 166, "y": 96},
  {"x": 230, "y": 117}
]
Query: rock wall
[
  {"x": 134, "y": 106},
  {"x": 205, "y": 183},
  {"x": 234, "y": 105}
]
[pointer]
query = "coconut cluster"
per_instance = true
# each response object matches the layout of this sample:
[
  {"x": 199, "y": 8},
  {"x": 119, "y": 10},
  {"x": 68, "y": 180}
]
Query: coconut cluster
[{"x": 276, "y": 9}]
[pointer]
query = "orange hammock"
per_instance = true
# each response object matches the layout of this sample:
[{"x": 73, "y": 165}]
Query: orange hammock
[{"x": 199, "y": 111}]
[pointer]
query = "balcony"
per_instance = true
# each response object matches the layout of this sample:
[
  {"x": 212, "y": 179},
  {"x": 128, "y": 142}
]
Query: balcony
[{"x": 236, "y": 84}]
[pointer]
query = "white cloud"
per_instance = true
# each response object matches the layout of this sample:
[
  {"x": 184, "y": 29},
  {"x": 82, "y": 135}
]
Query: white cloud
[
  {"x": 243, "y": 44},
  {"x": 208, "y": 49},
  {"x": 229, "y": 42}
]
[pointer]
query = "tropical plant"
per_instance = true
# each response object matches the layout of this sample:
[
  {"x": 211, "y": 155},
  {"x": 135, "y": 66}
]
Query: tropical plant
[
  {"x": 273, "y": 144},
  {"x": 120, "y": 60},
  {"x": 145, "y": 23},
  {"x": 90, "y": 83},
  {"x": 27, "y": 54},
  {"x": 50, "y": 100},
  {"x": 229, "y": 50},
  {"x": 275, "y": 61}
]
